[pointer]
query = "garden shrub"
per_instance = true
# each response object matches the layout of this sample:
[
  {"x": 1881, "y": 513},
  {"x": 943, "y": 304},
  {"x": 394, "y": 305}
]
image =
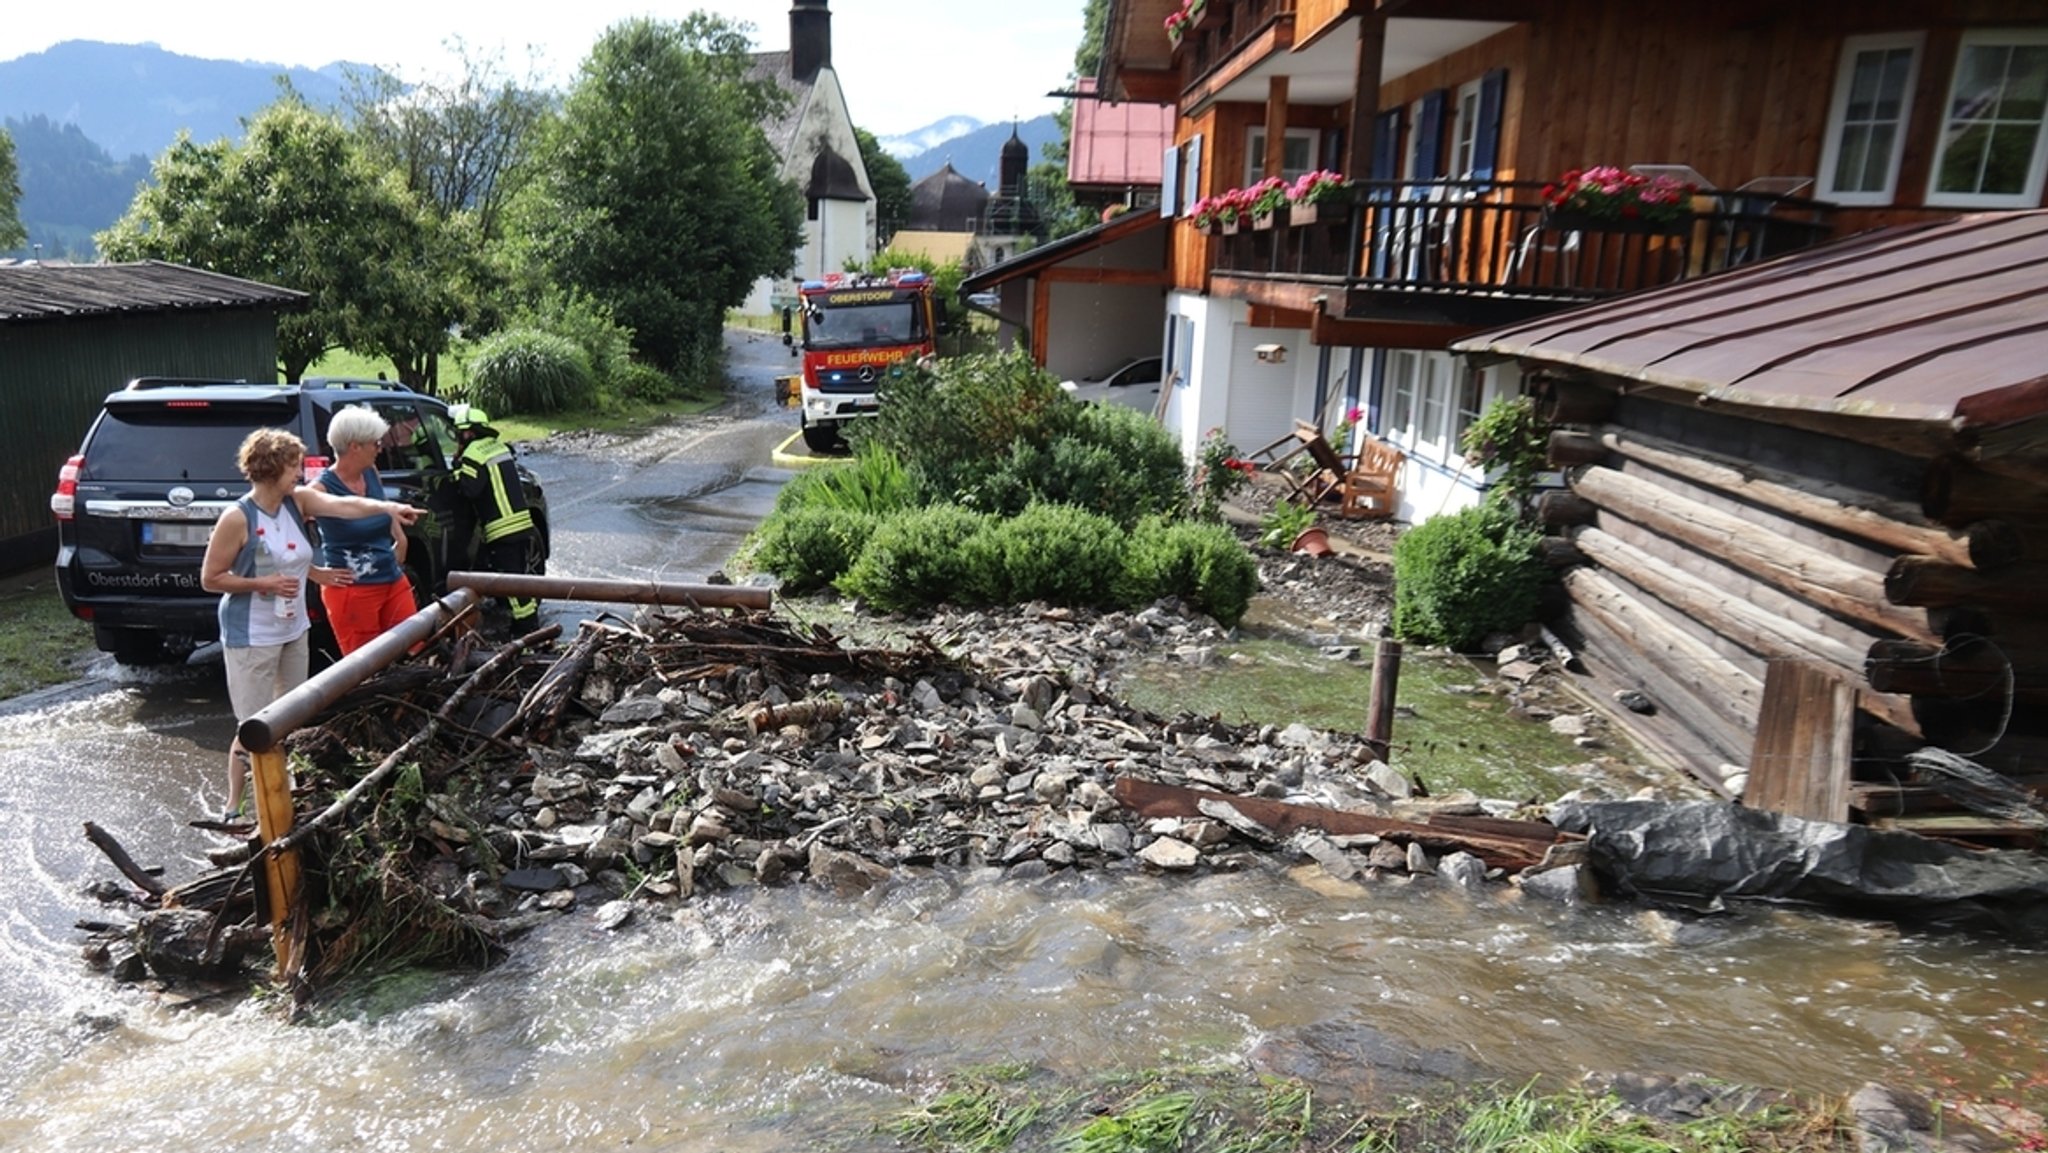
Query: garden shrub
[
  {"x": 525, "y": 370},
  {"x": 643, "y": 382},
  {"x": 1459, "y": 577},
  {"x": 809, "y": 548},
  {"x": 589, "y": 322},
  {"x": 923, "y": 556},
  {"x": 1109, "y": 460},
  {"x": 1200, "y": 562},
  {"x": 1059, "y": 553},
  {"x": 873, "y": 482},
  {"x": 950, "y": 427}
]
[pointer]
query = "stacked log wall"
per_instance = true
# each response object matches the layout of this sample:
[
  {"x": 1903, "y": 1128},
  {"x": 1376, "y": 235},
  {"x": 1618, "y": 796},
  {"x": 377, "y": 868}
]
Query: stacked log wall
[{"x": 1700, "y": 547}]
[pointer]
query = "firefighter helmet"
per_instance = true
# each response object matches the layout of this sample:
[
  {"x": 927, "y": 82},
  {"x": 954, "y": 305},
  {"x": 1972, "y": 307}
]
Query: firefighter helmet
[{"x": 468, "y": 416}]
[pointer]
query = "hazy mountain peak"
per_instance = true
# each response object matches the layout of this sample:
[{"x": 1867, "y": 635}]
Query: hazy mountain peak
[{"x": 925, "y": 139}]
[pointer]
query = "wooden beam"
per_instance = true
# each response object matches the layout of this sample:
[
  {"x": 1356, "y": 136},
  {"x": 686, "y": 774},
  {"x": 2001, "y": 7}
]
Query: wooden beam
[
  {"x": 1804, "y": 734},
  {"x": 1692, "y": 739},
  {"x": 1150, "y": 85},
  {"x": 1802, "y": 570},
  {"x": 1567, "y": 447},
  {"x": 1576, "y": 402},
  {"x": 1512, "y": 845},
  {"x": 274, "y": 816},
  {"x": 1339, "y": 332},
  {"x": 1070, "y": 274},
  {"x": 1041, "y": 317},
  {"x": 1717, "y": 683},
  {"x": 1268, "y": 316},
  {"x": 1927, "y": 582},
  {"x": 1274, "y": 163},
  {"x": 1365, "y": 104},
  {"x": 1893, "y": 523},
  {"x": 1955, "y": 493},
  {"x": 1737, "y": 619}
]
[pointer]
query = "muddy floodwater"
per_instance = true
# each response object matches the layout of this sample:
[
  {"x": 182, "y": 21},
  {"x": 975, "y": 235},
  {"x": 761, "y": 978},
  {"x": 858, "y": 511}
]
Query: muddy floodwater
[{"x": 782, "y": 1018}]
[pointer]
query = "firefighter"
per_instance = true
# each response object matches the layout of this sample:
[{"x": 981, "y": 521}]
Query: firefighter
[{"x": 507, "y": 540}]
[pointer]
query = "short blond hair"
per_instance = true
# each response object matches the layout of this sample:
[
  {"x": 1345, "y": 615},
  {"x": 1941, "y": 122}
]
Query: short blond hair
[{"x": 269, "y": 453}]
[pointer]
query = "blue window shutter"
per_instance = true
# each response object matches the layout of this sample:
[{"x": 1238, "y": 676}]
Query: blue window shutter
[
  {"x": 1191, "y": 180},
  {"x": 1386, "y": 145},
  {"x": 1169, "y": 183},
  {"x": 1493, "y": 90},
  {"x": 1429, "y": 136}
]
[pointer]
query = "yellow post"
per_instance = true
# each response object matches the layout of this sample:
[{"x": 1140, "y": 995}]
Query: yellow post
[{"x": 280, "y": 870}]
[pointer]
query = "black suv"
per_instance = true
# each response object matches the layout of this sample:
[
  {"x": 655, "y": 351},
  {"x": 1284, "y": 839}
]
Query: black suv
[{"x": 136, "y": 504}]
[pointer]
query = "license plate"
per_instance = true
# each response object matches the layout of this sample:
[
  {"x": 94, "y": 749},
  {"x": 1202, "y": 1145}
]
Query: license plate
[{"x": 184, "y": 534}]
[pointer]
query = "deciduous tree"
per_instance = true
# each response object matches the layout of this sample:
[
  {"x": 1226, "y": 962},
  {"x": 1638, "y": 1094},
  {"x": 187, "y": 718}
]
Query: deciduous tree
[
  {"x": 657, "y": 193},
  {"x": 11, "y": 231},
  {"x": 297, "y": 206},
  {"x": 891, "y": 184}
]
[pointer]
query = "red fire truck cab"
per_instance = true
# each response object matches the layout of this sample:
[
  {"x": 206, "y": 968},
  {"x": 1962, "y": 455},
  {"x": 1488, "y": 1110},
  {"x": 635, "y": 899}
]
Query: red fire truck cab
[{"x": 854, "y": 329}]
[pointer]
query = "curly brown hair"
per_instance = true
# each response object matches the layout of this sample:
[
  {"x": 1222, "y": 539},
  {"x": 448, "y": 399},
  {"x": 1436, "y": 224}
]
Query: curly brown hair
[{"x": 269, "y": 453}]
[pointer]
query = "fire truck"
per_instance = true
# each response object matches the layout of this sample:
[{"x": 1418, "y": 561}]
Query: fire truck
[{"x": 851, "y": 330}]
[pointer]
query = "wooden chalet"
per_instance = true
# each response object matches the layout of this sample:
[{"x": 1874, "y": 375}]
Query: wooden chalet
[
  {"x": 1807, "y": 515},
  {"x": 1797, "y": 123}
]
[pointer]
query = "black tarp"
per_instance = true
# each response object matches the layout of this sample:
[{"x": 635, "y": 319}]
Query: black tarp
[{"x": 1701, "y": 853}]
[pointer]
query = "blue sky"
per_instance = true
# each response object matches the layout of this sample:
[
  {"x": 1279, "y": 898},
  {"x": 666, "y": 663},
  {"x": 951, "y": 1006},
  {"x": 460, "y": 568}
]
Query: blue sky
[{"x": 903, "y": 63}]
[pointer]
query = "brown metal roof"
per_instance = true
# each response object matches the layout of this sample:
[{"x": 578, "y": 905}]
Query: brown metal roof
[
  {"x": 1942, "y": 322},
  {"x": 59, "y": 291}
]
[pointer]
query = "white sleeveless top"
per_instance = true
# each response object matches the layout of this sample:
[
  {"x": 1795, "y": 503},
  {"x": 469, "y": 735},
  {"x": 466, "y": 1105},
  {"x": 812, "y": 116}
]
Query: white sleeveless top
[{"x": 281, "y": 546}]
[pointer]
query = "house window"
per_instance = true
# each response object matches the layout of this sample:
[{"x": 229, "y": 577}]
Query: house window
[
  {"x": 1465, "y": 133},
  {"x": 1298, "y": 154},
  {"x": 1867, "y": 121},
  {"x": 1471, "y": 392},
  {"x": 1401, "y": 374},
  {"x": 1431, "y": 430},
  {"x": 1990, "y": 153}
]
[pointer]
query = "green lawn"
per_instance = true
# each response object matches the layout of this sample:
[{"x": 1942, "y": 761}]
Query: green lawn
[{"x": 40, "y": 643}]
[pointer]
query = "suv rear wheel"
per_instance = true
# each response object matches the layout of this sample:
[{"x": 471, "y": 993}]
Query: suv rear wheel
[{"x": 131, "y": 646}]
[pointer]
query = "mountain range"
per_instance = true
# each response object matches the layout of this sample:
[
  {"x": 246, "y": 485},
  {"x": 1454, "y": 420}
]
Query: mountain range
[{"x": 88, "y": 117}]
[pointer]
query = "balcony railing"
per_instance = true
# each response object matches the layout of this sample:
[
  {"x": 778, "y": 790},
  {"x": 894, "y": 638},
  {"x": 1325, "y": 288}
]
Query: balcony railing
[
  {"x": 1498, "y": 240},
  {"x": 1223, "y": 27}
]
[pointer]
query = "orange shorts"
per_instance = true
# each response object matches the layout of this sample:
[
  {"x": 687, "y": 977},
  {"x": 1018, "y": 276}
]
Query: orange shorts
[{"x": 359, "y": 614}]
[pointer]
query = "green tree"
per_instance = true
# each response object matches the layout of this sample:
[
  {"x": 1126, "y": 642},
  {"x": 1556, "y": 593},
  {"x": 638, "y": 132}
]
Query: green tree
[
  {"x": 299, "y": 206},
  {"x": 658, "y": 192},
  {"x": 12, "y": 233},
  {"x": 464, "y": 149},
  {"x": 890, "y": 182}
]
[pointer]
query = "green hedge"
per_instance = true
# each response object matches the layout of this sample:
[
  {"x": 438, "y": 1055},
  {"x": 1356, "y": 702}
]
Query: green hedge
[{"x": 1459, "y": 577}]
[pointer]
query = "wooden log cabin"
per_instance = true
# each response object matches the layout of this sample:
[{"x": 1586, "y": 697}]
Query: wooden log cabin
[
  {"x": 1801, "y": 123},
  {"x": 1807, "y": 514}
]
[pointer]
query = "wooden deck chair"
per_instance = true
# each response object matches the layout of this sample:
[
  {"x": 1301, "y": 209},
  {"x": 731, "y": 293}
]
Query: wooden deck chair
[
  {"x": 1326, "y": 476},
  {"x": 1369, "y": 487}
]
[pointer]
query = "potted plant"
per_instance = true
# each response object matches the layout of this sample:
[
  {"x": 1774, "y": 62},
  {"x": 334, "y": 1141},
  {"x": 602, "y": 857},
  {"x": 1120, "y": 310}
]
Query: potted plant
[
  {"x": 1196, "y": 9},
  {"x": 1207, "y": 215},
  {"x": 1178, "y": 22},
  {"x": 1266, "y": 202},
  {"x": 1230, "y": 209},
  {"x": 1287, "y": 525},
  {"x": 1607, "y": 199},
  {"x": 1309, "y": 190}
]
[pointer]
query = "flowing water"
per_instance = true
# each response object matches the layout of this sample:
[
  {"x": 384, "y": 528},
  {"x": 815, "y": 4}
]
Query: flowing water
[{"x": 785, "y": 1018}]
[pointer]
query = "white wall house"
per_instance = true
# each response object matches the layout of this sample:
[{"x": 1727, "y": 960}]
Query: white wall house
[{"x": 819, "y": 154}]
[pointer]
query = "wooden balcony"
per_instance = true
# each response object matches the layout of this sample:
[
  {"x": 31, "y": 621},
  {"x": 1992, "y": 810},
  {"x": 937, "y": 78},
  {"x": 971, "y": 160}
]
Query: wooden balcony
[
  {"x": 1476, "y": 254},
  {"x": 1224, "y": 28}
]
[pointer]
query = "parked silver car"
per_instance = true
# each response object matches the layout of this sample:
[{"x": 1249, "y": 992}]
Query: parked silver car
[{"x": 1133, "y": 385}]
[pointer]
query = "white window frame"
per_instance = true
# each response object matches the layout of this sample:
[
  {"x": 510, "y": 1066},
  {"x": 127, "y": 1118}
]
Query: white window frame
[
  {"x": 1838, "y": 112},
  {"x": 1464, "y": 131},
  {"x": 2037, "y": 167},
  {"x": 1433, "y": 406},
  {"x": 1255, "y": 154},
  {"x": 1468, "y": 384},
  {"x": 1403, "y": 367}
]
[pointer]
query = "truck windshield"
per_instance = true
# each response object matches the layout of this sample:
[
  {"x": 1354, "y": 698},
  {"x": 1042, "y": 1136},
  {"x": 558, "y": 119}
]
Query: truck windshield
[{"x": 862, "y": 325}]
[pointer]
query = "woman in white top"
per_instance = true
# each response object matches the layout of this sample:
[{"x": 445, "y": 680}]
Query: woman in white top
[{"x": 259, "y": 559}]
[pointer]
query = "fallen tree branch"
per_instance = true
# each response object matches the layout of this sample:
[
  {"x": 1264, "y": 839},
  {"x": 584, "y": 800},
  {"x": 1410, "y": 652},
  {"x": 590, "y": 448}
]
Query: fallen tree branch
[
  {"x": 484, "y": 673},
  {"x": 136, "y": 873}
]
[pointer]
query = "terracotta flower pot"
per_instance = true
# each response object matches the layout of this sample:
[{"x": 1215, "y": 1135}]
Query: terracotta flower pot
[{"x": 1312, "y": 541}]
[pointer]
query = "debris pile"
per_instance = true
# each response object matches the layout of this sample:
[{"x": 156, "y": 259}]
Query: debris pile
[{"x": 690, "y": 751}]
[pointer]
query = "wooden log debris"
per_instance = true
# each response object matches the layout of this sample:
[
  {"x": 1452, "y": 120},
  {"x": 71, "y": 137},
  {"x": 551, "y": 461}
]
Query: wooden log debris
[
  {"x": 1511, "y": 845},
  {"x": 140, "y": 877}
]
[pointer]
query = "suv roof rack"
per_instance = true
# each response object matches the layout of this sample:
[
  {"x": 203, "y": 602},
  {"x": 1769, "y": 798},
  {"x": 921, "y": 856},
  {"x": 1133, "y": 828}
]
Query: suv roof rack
[
  {"x": 143, "y": 382},
  {"x": 354, "y": 382}
]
